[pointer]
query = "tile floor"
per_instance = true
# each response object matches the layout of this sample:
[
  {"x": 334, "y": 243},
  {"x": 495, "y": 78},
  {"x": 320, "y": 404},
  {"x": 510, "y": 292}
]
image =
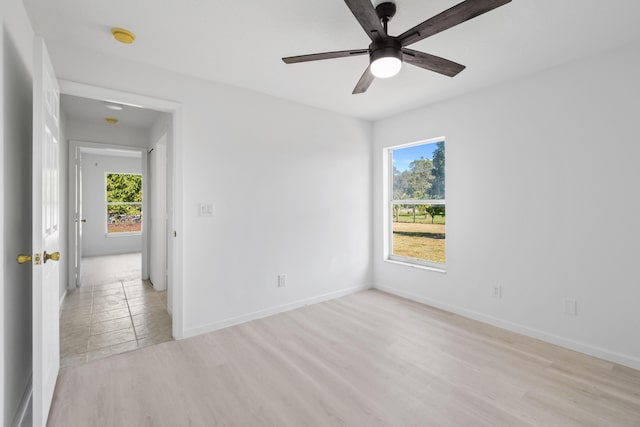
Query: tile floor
[
  {"x": 104, "y": 319},
  {"x": 101, "y": 270}
]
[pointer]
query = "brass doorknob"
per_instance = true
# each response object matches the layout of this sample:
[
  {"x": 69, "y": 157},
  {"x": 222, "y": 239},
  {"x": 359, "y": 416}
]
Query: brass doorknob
[
  {"x": 23, "y": 259},
  {"x": 54, "y": 256}
]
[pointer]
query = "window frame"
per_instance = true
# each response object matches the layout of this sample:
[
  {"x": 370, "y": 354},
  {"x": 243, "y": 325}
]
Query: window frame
[
  {"x": 390, "y": 202},
  {"x": 107, "y": 204}
]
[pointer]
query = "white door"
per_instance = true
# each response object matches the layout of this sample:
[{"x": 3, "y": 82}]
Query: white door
[
  {"x": 46, "y": 230},
  {"x": 158, "y": 235},
  {"x": 79, "y": 219}
]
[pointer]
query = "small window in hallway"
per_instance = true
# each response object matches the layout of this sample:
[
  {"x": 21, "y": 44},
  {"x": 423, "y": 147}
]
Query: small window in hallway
[{"x": 124, "y": 203}]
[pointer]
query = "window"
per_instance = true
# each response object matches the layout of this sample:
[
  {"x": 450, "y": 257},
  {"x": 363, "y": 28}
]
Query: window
[
  {"x": 417, "y": 203},
  {"x": 124, "y": 203}
]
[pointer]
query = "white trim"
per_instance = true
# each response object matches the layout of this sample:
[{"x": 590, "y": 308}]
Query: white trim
[
  {"x": 416, "y": 263},
  {"x": 175, "y": 109},
  {"x": 72, "y": 198},
  {"x": 389, "y": 202},
  {"x": 418, "y": 202},
  {"x": 107, "y": 148},
  {"x": 144, "y": 228},
  {"x": 3, "y": 145},
  {"x": 413, "y": 144},
  {"x": 125, "y": 98},
  {"x": 143, "y": 177},
  {"x": 175, "y": 275},
  {"x": 62, "y": 297},
  {"x": 76, "y": 148},
  {"x": 24, "y": 404},
  {"x": 116, "y": 234},
  {"x": 387, "y": 184},
  {"x": 231, "y": 321},
  {"x": 599, "y": 352}
]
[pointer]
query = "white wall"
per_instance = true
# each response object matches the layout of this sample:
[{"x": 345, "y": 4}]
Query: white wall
[
  {"x": 291, "y": 187},
  {"x": 542, "y": 184},
  {"x": 16, "y": 53},
  {"x": 95, "y": 241},
  {"x": 78, "y": 130}
]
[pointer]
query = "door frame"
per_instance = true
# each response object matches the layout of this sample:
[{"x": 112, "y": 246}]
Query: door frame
[
  {"x": 175, "y": 246},
  {"x": 75, "y": 150},
  {"x": 157, "y": 168}
]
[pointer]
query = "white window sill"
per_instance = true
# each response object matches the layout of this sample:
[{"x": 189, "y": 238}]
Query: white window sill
[
  {"x": 124, "y": 234},
  {"x": 419, "y": 266}
]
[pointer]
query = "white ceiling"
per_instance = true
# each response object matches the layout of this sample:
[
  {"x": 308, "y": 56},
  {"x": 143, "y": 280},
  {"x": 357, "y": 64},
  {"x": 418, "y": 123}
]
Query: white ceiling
[
  {"x": 94, "y": 111},
  {"x": 241, "y": 43}
]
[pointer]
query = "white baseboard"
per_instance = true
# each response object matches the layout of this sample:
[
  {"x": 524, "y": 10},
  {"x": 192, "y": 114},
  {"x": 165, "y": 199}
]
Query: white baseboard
[
  {"x": 612, "y": 356},
  {"x": 271, "y": 311},
  {"x": 21, "y": 413}
]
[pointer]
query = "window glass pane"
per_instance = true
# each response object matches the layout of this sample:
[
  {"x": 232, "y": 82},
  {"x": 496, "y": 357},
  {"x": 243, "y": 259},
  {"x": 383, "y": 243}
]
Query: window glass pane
[
  {"x": 418, "y": 215},
  {"x": 418, "y": 172},
  {"x": 419, "y": 232},
  {"x": 124, "y": 202},
  {"x": 122, "y": 187},
  {"x": 124, "y": 218}
]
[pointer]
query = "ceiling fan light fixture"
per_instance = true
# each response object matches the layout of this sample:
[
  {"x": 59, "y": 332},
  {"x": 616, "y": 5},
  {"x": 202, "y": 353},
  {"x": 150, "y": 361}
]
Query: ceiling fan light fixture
[
  {"x": 386, "y": 67},
  {"x": 386, "y": 61}
]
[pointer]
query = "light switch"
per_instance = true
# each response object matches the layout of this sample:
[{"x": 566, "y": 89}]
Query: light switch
[{"x": 205, "y": 209}]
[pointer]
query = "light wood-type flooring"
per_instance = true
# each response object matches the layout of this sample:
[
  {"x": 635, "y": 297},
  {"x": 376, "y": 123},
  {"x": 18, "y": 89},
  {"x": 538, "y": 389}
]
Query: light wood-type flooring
[{"x": 368, "y": 359}]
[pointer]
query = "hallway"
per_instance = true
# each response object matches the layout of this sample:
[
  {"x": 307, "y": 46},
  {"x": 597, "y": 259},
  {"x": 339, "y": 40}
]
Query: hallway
[{"x": 115, "y": 311}]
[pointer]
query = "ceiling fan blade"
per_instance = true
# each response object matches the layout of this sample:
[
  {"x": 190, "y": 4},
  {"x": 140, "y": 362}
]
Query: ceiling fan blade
[
  {"x": 367, "y": 16},
  {"x": 431, "y": 62},
  {"x": 449, "y": 18},
  {"x": 364, "y": 82},
  {"x": 324, "y": 55}
]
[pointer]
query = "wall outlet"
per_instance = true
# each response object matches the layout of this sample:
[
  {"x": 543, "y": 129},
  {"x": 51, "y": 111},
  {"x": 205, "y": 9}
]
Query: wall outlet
[
  {"x": 570, "y": 307},
  {"x": 496, "y": 291},
  {"x": 282, "y": 280}
]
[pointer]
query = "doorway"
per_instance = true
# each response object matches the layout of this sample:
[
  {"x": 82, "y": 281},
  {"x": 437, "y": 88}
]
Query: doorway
[
  {"x": 108, "y": 194},
  {"x": 111, "y": 306}
]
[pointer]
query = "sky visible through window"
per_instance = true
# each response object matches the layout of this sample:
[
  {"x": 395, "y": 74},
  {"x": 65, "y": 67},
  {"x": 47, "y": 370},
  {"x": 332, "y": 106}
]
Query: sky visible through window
[{"x": 402, "y": 157}]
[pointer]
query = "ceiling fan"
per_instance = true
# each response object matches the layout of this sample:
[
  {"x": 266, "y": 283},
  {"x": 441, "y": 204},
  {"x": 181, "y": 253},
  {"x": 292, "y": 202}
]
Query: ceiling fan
[{"x": 387, "y": 53}]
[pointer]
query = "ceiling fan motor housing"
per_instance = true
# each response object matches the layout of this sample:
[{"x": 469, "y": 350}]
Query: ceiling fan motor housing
[{"x": 390, "y": 47}]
